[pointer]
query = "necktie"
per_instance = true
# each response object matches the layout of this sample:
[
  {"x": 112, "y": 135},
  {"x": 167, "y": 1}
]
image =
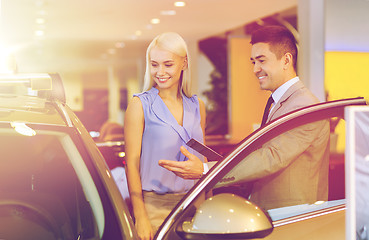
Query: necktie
[{"x": 266, "y": 111}]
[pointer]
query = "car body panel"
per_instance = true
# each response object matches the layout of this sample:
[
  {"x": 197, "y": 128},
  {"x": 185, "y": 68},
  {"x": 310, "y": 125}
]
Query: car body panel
[
  {"x": 30, "y": 110},
  {"x": 328, "y": 226}
]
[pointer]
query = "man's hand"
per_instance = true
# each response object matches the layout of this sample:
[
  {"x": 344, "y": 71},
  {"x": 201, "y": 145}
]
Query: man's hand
[{"x": 190, "y": 169}]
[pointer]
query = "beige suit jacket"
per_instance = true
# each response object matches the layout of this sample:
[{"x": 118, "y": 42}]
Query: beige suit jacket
[{"x": 292, "y": 168}]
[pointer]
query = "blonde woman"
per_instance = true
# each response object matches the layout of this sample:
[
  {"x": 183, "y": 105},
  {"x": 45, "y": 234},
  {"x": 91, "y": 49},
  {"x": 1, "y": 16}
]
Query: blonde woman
[{"x": 158, "y": 122}]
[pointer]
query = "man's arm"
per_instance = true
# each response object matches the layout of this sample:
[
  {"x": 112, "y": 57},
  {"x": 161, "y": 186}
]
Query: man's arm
[
  {"x": 193, "y": 168},
  {"x": 281, "y": 151}
]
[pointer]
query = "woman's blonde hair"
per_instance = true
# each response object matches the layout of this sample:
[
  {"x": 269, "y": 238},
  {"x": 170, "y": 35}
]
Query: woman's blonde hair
[{"x": 173, "y": 43}]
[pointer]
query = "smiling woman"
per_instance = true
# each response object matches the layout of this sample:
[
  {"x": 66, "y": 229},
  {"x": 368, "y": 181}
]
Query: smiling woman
[{"x": 158, "y": 122}]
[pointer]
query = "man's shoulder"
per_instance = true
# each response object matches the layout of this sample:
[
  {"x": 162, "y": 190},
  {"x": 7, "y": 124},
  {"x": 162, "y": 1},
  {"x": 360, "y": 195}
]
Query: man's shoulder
[
  {"x": 304, "y": 95},
  {"x": 299, "y": 96}
]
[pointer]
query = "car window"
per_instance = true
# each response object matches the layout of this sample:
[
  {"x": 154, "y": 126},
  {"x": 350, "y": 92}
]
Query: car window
[
  {"x": 46, "y": 189},
  {"x": 117, "y": 216}
]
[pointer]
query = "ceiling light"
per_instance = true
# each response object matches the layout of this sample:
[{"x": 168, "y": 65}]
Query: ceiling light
[
  {"x": 39, "y": 33},
  {"x": 180, "y": 4},
  {"x": 155, "y": 21},
  {"x": 40, "y": 20},
  {"x": 168, "y": 12},
  {"x": 138, "y": 33}
]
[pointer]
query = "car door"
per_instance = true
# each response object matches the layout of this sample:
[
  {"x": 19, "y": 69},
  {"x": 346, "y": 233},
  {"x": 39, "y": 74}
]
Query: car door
[{"x": 219, "y": 206}]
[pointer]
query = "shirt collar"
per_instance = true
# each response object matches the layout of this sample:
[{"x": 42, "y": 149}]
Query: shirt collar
[{"x": 278, "y": 93}]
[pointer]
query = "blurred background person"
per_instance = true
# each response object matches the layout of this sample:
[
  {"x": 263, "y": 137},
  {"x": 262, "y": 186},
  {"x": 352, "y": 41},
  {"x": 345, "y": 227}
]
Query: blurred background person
[{"x": 112, "y": 131}]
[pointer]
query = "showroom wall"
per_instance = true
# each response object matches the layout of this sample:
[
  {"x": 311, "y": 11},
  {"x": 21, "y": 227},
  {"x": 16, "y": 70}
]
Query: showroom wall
[{"x": 346, "y": 53}]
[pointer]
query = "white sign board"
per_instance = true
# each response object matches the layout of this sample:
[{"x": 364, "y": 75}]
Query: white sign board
[{"x": 357, "y": 172}]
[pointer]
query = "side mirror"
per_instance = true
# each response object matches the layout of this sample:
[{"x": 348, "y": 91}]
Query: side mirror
[{"x": 226, "y": 216}]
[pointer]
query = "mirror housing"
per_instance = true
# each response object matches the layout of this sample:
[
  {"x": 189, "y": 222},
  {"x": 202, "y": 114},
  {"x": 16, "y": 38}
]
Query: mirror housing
[{"x": 227, "y": 216}]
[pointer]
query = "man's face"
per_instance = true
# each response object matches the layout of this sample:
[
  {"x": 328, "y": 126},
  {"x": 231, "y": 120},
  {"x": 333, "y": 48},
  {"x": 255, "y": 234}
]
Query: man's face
[{"x": 267, "y": 68}]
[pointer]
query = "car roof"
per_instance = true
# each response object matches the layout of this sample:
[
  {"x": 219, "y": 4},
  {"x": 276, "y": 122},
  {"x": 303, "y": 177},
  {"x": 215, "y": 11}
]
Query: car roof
[
  {"x": 32, "y": 98},
  {"x": 29, "y": 110}
]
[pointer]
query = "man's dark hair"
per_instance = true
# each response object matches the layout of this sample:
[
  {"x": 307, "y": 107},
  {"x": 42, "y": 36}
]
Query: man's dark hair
[{"x": 280, "y": 39}]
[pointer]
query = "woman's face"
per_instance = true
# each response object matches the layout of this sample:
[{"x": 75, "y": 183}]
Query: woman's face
[{"x": 166, "y": 68}]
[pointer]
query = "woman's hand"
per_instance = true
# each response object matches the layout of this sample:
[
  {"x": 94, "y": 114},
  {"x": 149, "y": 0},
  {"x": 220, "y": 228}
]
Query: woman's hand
[{"x": 144, "y": 229}]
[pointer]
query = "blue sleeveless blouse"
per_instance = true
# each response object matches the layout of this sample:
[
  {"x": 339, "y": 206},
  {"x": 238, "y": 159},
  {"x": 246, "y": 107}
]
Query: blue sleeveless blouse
[{"x": 162, "y": 138}]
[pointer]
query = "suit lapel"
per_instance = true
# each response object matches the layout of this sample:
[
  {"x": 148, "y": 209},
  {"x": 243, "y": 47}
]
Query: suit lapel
[{"x": 274, "y": 113}]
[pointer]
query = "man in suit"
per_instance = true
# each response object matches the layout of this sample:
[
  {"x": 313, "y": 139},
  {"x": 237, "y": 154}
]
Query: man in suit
[{"x": 292, "y": 168}]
